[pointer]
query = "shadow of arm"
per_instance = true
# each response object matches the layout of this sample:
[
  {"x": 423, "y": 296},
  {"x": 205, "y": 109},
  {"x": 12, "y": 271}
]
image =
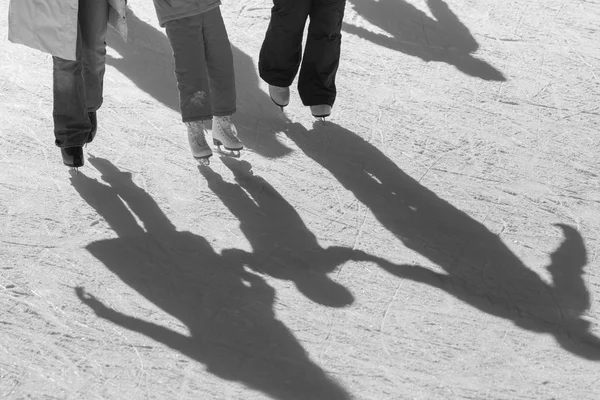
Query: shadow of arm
[
  {"x": 414, "y": 273},
  {"x": 451, "y": 25},
  {"x": 156, "y": 332},
  {"x": 410, "y": 48}
]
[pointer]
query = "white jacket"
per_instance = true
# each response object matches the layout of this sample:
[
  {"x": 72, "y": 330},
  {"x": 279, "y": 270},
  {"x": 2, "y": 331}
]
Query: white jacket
[{"x": 51, "y": 25}]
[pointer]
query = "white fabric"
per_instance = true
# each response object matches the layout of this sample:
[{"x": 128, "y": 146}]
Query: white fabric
[{"x": 51, "y": 25}]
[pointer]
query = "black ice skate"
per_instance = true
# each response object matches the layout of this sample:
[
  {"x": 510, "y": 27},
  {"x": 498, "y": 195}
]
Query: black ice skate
[
  {"x": 72, "y": 156},
  {"x": 321, "y": 111}
]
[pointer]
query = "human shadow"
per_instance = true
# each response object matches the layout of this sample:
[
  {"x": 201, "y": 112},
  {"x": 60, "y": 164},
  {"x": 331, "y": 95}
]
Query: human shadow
[
  {"x": 282, "y": 246},
  {"x": 443, "y": 39},
  {"x": 147, "y": 60},
  {"x": 227, "y": 309},
  {"x": 479, "y": 268}
]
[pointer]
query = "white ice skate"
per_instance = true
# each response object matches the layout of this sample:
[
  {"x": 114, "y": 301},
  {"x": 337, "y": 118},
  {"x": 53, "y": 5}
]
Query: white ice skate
[
  {"x": 280, "y": 95},
  {"x": 201, "y": 151},
  {"x": 321, "y": 111},
  {"x": 225, "y": 136}
]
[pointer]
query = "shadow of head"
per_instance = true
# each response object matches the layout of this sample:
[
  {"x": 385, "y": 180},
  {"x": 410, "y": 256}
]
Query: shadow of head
[
  {"x": 321, "y": 289},
  {"x": 441, "y": 38},
  {"x": 282, "y": 245},
  {"x": 479, "y": 268}
]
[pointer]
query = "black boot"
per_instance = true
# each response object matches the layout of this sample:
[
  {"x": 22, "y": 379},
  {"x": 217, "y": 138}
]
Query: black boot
[
  {"x": 72, "y": 156},
  {"x": 94, "y": 121}
]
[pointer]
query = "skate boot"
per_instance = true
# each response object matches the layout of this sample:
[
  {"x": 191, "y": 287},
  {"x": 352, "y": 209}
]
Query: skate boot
[
  {"x": 72, "y": 156},
  {"x": 225, "y": 136},
  {"x": 280, "y": 95},
  {"x": 321, "y": 111},
  {"x": 201, "y": 151}
]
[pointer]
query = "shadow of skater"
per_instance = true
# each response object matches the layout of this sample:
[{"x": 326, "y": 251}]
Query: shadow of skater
[
  {"x": 227, "y": 309},
  {"x": 282, "y": 246},
  {"x": 480, "y": 269},
  {"x": 414, "y": 33},
  {"x": 147, "y": 60}
]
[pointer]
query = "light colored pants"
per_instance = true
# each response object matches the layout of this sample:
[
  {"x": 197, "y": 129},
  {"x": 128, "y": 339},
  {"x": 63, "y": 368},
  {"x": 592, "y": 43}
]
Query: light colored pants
[
  {"x": 78, "y": 85},
  {"x": 203, "y": 66}
]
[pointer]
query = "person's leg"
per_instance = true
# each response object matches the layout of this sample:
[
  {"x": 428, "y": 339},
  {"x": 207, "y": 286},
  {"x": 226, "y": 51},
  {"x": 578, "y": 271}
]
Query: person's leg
[
  {"x": 93, "y": 16},
  {"x": 187, "y": 42},
  {"x": 72, "y": 123},
  {"x": 316, "y": 83},
  {"x": 219, "y": 61},
  {"x": 281, "y": 51},
  {"x": 186, "y": 39}
]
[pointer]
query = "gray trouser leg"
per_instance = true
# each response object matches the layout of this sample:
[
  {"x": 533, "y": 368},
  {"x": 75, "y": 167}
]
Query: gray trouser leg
[{"x": 203, "y": 66}]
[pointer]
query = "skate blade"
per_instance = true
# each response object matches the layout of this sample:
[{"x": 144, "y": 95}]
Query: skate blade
[
  {"x": 220, "y": 147},
  {"x": 236, "y": 153},
  {"x": 203, "y": 161},
  {"x": 74, "y": 171}
]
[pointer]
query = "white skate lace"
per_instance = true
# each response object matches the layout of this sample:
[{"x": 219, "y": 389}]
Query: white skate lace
[
  {"x": 196, "y": 133},
  {"x": 200, "y": 139},
  {"x": 225, "y": 124}
]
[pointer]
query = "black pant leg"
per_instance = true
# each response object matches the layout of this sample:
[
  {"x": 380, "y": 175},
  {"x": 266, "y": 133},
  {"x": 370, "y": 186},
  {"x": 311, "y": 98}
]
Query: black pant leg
[
  {"x": 316, "y": 83},
  {"x": 281, "y": 50}
]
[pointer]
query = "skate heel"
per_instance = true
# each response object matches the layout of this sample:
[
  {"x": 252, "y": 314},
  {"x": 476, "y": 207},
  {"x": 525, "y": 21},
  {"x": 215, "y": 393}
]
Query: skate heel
[
  {"x": 279, "y": 95},
  {"x": 321, "y": 111},
  {"x": 203, "y": 160},
  {"x": 72, "y": 156}
]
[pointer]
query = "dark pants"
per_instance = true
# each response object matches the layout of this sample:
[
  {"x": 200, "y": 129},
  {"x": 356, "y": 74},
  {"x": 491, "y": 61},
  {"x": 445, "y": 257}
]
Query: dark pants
[
  {"x": 78, "y": 84},
  {"x": 203, "y": 66},
  {"x": 281, "y": 51}
]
